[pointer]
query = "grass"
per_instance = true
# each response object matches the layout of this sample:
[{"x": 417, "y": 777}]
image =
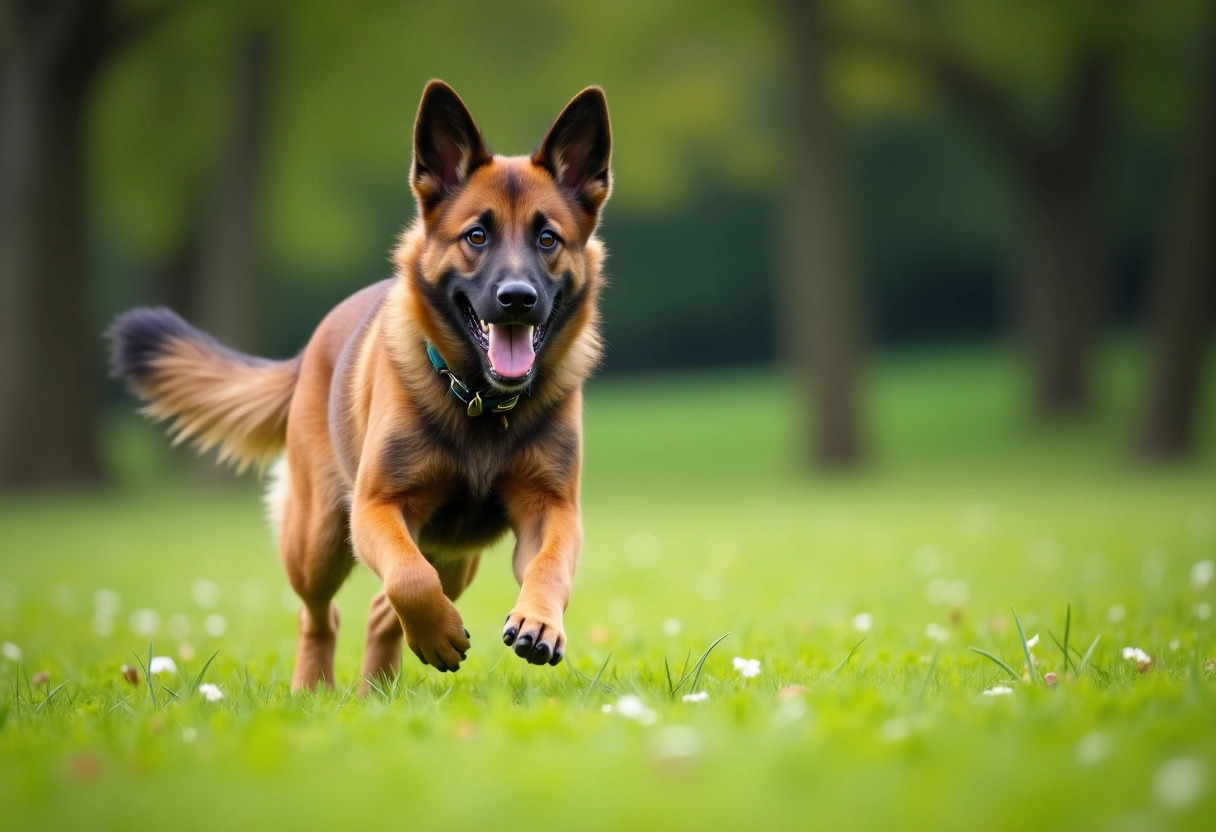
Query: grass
[{"x": 700, "y": 532}]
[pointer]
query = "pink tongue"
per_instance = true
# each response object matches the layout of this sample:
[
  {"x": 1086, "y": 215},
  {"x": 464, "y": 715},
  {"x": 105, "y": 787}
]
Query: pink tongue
[{"x": 511, "y": 352}]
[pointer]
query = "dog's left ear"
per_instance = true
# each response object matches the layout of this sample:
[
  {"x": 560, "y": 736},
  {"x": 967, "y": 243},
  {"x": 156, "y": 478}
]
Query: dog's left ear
[
  {"x": 577, "y": 151},
  {"x": 447, "y": 145}
]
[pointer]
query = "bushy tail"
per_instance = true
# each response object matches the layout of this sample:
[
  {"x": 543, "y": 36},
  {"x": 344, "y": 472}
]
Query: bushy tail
[{"x": 216, "y": 397}]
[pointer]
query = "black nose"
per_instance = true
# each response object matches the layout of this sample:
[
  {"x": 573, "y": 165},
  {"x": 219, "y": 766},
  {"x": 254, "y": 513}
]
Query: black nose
[{"x": 516, "y": 297}]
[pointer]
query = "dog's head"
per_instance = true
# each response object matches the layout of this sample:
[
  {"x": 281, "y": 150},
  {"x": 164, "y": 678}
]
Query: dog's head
[{"x": 508, "y": 248}]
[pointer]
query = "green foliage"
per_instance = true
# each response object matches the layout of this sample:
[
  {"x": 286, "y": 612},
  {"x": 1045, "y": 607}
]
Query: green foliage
[
  {"x": 694, "y": 514},
  {"x": 682, "y": 79}
]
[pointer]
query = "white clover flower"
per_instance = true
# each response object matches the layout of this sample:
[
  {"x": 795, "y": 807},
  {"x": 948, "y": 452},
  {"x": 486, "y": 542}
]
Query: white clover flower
[
  {"x": 1093, "y": 748},
  {"x": 145, "y": 622},
  {"x": 790, "y": 710},
  {"x": 162, "y": 664},
  {"x": 215, "y": 625},
  {"x": 632, "y": 707},
  {"x": 747, "y": 667},
  {"x": 103, "y": 625},
  {"x": 999, "y": 690},
  {"x": 936, "y": 632},
  {"x": 894, "y": 730},
  {"x": 677, "y": 742},
  {"x": 863, "y": 622},
  {"x": 1180, "y": 782},
  {"x": 1134, "y": 654},
  {"x": 11, "y": 651},
  {"x": 210, "y": 692},
  {"x": 1202, "y": 574},
  {"x": 672, "y": 627},
  {"x": 205, "y": 593},
  {"x": 106, "y": 602},
  {"x": 179, "y": 626},
  {"x": 699, "y": 696}
]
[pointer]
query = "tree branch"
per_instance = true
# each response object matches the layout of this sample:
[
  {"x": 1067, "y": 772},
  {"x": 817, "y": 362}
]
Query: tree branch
[
  {"x": 126, "y": 30},
  {"x": 985, "y": 102}
]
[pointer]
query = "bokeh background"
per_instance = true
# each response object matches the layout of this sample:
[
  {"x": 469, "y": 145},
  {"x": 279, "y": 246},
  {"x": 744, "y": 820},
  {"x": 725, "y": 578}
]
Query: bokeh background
[
  {"x": 909, "y": 326},
  {"x": 810, "y": 186}
]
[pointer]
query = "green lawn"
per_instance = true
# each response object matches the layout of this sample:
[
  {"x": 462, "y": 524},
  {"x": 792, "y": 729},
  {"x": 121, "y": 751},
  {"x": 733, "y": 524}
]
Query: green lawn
[{"x": 698, "y": 524}]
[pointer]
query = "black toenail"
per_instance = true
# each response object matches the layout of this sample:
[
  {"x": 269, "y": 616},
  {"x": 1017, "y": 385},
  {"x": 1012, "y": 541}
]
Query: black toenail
[
  {"x": 523, "y": 645},
  {"x": 508, "y": 636}
]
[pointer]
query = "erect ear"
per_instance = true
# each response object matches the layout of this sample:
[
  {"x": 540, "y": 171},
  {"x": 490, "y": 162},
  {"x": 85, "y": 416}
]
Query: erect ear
[
  {"x": 447, "y": 145},
  {"x": 577, "y": 150}
]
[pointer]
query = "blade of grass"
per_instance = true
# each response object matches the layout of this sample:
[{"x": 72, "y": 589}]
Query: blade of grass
[
  {"x": 122, "y": 703},
  {"x": 695, "y": 673},
  {"x": 684, "y": 666},
  {"x": 1088, "y": 655},
  {"x": 274, "y": 677},
  {"x": 50, "y": 696},
  {"x": 374, "y": 685},
  {"x": 198, "y": 680},
  {"x": 846, "y": 658},
  {"x": 1012, "y": 674},
  {"x": 147, "y": 674},
  {"x": 1067, "y": 630},
  {"x": 1030, "y": 669},
  {"x": 346, "y": 695},
  {"x": 670, "y": 684},
  {"x": 924, "y": 687},
  {"x": 596, "y": 680}
]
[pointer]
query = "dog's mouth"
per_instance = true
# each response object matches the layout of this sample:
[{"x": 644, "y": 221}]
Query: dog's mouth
[{"x": 510, "y": 348}]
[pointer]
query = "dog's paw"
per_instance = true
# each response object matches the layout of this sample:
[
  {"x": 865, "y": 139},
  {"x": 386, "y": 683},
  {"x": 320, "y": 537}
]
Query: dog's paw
[
  {"x": 434, "y": 631},
  {"x": 443, "y": 644},
  {"x": 536, "y": 637}
]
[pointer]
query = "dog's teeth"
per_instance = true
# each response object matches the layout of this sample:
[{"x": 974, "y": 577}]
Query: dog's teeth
[{"x": 485, "y": 327}]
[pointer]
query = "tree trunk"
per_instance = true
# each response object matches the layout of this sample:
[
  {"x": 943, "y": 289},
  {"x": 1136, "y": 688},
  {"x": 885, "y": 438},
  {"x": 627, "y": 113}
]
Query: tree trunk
[
  {"x": 1059, "y": 289},
  {"x": 1181, "y": 322},
  {"x": 49, "y": 349},
  {"x": 821, "y": 329},
  {"x": 229, "y": 284}
]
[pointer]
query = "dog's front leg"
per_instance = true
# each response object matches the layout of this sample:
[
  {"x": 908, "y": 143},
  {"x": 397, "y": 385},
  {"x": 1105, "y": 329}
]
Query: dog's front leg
[
  {"x": 549, "y": 538},
  {"x": 433, "y": 628}
]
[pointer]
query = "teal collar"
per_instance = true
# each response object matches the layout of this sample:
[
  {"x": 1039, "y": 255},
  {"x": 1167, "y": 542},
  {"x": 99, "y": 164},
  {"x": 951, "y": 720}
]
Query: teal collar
[{"x": 475, "y": 403}]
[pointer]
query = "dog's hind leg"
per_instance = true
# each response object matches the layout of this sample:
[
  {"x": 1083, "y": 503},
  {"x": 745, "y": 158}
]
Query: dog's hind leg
[
  {"x": 318, "y": 558},
  {"x": 382, "y": 652}
]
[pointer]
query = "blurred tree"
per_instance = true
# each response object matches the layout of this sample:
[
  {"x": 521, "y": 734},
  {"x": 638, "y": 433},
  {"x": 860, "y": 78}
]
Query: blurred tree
[
  {"x": 1184, "y": 284},
  {"x": 1036, "y": 80},
  {"x": 53, "y": 53},
  {"x": 230, "y": 286},
  {"x": 819, "y": 304}
]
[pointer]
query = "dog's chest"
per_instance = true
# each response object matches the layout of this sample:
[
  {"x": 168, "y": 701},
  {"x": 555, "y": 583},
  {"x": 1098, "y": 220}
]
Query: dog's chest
[{"x": 467, "y": 520}]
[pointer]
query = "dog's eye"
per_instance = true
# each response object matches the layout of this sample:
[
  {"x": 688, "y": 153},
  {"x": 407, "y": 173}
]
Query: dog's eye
[
  {"x": 476, "y": 237},
  {"x": 547, "y": 240}
]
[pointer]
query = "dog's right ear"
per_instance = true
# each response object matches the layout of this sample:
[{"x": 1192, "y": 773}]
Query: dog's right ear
[{"x": 447, "y": 145}]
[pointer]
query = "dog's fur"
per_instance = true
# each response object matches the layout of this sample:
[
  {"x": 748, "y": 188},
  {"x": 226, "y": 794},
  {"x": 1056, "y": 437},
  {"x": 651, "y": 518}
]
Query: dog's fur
[{"x": 381, "y": 459}]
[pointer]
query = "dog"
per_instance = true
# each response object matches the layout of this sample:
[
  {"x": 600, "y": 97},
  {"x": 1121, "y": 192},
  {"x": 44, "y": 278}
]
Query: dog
[{"x": 430, "y": 413}]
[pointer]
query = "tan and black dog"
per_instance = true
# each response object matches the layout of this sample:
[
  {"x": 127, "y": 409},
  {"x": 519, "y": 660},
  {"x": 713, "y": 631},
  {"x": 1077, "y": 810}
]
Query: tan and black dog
[{"x": 431, "y": 412}]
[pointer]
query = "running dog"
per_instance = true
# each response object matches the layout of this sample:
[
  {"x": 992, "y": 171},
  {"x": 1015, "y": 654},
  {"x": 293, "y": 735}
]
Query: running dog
[{"x": 429, "y": 413}]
